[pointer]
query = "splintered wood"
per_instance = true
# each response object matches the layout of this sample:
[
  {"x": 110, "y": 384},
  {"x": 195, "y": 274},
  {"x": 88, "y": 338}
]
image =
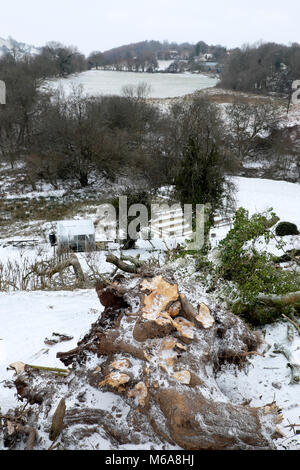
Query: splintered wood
[
  {"x": 204, "y": 316},
  {"x": 140, "y": 392},
  {"x": 161, "y": 294},
  {"x": 120, "y": 364},
  {"x": 183, "y": 376},
  {"x": 185, "y": 328},
  {"x": 18, "y": 366},
  {"x": 115, "y": 380}
]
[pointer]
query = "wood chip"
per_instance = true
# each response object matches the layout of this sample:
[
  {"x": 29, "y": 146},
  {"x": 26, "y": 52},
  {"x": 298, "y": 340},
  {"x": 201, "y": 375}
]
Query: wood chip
[
  {"x": 120, "y": 364},
  {"x": 183, "y": 376},
  {"x": 184, "y": 327},
  {"x": 18, "y": 366},
  {"x": 204, "y": 316},
  {"x": 140, "y": 391},
  {"x": 115, "y": 380}
]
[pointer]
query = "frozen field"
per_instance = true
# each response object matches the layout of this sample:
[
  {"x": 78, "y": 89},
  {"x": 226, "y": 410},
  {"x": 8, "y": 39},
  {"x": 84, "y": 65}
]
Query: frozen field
[
  {"x": 163, "y": 85},
  {"x": 28, "y": 318}
]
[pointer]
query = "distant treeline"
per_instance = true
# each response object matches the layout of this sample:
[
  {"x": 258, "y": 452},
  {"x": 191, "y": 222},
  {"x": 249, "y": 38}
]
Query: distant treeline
[
  {"x": 143, "y": 56},
  {"x": 139, "y": 56},
  {"x": 77, "y": 138},
  {"x": 53, "y": 60},
  {"x": 264, "y": 68}
]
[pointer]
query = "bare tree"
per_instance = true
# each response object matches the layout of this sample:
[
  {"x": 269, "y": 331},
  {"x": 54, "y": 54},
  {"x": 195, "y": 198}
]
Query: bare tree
[{"x": 246, "y": 122}]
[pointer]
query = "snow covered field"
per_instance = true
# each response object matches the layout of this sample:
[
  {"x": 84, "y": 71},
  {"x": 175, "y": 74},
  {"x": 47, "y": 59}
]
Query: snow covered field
[
  {"x": 267, "y": 379},
  {"x": 107, "y": 82},
  {"x": 27, "y": 318},
  {"x": 257, "y": 195}
]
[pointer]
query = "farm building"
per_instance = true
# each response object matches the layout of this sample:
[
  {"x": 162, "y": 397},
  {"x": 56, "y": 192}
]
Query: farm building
[{"x": 75, "y": 235}]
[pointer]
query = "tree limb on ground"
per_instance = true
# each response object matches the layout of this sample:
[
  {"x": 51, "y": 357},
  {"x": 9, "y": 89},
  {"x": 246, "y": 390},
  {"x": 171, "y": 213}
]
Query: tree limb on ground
[
  {"x": 71, "y": 261},
  {"x": 136, "y": 266},
  {"x": 47, "y": 269},
  {"x": 292, "y": 298},
  {"x": 127, "y": 268}
]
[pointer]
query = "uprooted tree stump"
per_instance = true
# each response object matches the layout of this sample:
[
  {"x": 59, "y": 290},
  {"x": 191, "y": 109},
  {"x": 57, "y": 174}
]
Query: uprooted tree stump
[{"x": 158, "y": 354}]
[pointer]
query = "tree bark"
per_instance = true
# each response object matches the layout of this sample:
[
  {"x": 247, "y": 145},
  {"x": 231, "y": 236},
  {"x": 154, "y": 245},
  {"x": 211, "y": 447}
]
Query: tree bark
[
  {"x": 71, "y": 261},
  {"x": 127, "y": 268}
]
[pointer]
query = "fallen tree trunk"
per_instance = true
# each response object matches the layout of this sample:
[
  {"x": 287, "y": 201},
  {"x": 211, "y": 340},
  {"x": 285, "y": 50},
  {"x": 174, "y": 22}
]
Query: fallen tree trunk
[
  {"x": 47, "y": 269},
  {"x": 162, "y": 356},
  {"x": 153, "y": 349}
]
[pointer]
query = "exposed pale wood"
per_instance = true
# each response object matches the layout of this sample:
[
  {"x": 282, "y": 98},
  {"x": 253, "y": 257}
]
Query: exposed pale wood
[{"x": 292, "y": 322}]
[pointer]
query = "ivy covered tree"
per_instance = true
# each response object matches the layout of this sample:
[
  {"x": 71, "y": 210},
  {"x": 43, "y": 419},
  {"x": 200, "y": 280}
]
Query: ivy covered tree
[
  {"x": 201, "y": 157},
  {"x": 200, "y": 178}
]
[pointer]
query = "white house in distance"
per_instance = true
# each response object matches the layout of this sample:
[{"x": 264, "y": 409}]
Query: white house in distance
[
  {"x": 75, "y": 235},
  {"x": 204, "y": 58}
]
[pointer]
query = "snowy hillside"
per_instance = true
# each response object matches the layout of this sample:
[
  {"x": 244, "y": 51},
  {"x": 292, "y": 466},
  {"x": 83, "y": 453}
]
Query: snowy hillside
[{"x": 7, "y": 45}]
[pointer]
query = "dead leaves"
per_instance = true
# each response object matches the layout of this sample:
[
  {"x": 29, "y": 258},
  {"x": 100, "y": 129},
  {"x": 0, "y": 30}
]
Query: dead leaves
[
  {"x": 273, "y": 409},
  {"x": 57, "y": 338},
  {"x": 58, "y": 420}
]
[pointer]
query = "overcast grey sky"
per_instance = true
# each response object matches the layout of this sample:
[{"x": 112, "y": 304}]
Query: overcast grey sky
[{"x": 103, "y": 24}]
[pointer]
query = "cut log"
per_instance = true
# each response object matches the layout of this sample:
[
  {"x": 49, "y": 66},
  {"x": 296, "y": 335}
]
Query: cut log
[{"x": 196, "y": 423}]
